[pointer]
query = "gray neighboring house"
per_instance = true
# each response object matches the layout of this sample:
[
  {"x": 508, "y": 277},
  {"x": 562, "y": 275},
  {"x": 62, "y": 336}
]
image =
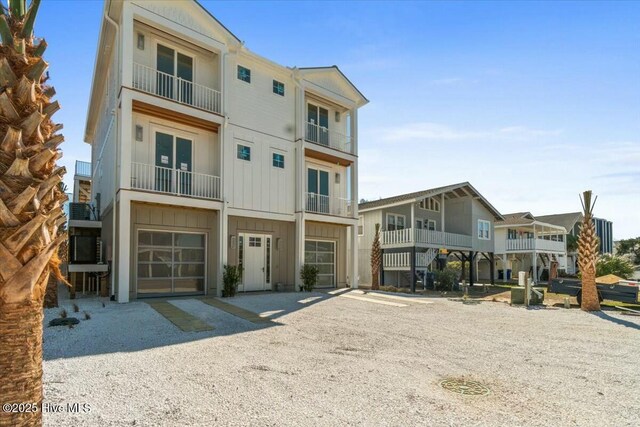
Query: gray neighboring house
[
  {"x": 416, "y": 228},
  {"x": 571, "y": 222}
]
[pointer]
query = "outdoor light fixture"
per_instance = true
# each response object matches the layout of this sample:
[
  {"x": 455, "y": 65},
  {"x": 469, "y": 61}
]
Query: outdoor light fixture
[
  {"x": 232, "y": 241},
  {"x": 138, "y": 133},
  {"x": 337, "y": 178},
  {"x": 337, "y": 116},
  {"x": 140, "y": 41}
]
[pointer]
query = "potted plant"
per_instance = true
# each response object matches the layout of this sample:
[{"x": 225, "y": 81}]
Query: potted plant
[
  {"x": 231, "y": 278},
  {"x": 309, "y": 276}
]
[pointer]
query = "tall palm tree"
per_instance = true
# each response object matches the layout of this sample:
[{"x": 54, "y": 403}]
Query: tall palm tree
[
  {"x": 376, "y": 260},
  {"x": 587, "y": 255},
  {"x": 30, "y": 207},
  {"x": 51, "y": 294}
]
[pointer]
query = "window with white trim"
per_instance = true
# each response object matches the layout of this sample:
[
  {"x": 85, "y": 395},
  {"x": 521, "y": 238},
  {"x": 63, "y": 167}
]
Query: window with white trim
[
  {"x": 244, "y": 74},
  {"x": 244, "y": 152},
  {"x": 278, "y": 88},
  {"x": 431, "y": 225},
  {"x": 395, "y": 222},
  {"x": 278, "y": 160},
  {"x": 484, "y": 229},
  {"x": 430, "y": 204}
]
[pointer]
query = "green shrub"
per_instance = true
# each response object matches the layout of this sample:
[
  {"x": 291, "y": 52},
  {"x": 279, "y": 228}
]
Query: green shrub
[
  {"x": 445, "y": 279},
  {"x": 613, "y": 264},
  {"x": 231, "y": 278},
  {"x": 309, "y": 276}
]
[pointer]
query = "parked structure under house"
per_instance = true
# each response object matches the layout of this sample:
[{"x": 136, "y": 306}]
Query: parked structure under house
[
  {"x": 526, "y": 243},
  {"x": 455, "y": 220},
  {"x": 221, "y": 157},
  {"x": 571, "y": 222}
]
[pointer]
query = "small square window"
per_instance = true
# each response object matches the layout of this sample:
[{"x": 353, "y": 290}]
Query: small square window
[
  {"x": 278, "y": 161},
  {"x": 244, "y": 74},
  {"x": 244, "y": 152},
  {"x": 278, "y": 88}
]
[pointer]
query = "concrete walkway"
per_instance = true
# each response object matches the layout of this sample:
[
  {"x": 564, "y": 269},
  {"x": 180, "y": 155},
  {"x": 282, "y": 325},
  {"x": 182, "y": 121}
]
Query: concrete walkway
[
  {"x": 235, "y": 310},
  {"x": 183, "y": 320}
]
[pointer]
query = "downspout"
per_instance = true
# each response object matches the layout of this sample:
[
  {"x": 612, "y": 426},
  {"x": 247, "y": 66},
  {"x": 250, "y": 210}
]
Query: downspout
[{"x": 108, "y": 19}]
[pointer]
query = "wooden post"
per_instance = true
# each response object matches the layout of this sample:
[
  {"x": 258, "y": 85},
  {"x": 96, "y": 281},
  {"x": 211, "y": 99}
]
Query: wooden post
[
  {"x": 381, "y": 271},
  {"x": 471, "y": 269},
  {"x": 492, "y": 270},
  {"x": 412, "y": 263}
]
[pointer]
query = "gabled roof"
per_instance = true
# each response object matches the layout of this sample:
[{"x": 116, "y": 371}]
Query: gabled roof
[
  {"x": 520, "y": 218},
  {"x": 334, "y": 69},
  {"x": 566, "y": 220},
  {"x": 450, "y": 191}
]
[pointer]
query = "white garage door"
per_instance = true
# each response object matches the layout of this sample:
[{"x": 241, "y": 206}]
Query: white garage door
[
  {"x": 322, "y": 254},
  {"x": 170, "y": 263}
]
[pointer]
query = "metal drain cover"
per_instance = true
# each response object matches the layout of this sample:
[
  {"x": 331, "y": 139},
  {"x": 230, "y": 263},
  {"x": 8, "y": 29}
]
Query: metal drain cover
[{"x": 466, "y": 387}]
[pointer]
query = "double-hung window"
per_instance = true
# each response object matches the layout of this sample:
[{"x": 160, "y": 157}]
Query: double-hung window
[
  {"x": 395, "y": 222},
  {"x": 484, "y": 229}
]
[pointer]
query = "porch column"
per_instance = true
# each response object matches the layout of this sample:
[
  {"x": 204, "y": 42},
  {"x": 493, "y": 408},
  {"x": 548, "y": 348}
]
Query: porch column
[
  {"x": 504, "y": 268},
  {"x": 412, "y": 263},
  {"x": 353, "y": 257},
  {"x": 123, "y": 167},
  {"x": 126, "y": 46},
  {"x": 413, "y": 220},
  {"x": 471, "y": 267},
  {"x": 492, "y": 268},
  {"x": 442, "y": 212},
  {"x": 534, "y": 266},
  {"x": 223, "y": 247},
  {"x": 123, "y": 260},
  {"x": 299, "y": 256}
]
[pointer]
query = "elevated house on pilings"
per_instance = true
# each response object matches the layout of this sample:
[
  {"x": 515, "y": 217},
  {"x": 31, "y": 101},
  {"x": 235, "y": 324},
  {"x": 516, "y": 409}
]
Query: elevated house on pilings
[
  {"x": 526, "y": 243},
  {"x": 416, "y": 228}
]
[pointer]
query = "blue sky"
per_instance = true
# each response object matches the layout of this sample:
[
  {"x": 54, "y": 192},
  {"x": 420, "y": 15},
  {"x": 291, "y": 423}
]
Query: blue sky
[{"x": 530, "y": 102}]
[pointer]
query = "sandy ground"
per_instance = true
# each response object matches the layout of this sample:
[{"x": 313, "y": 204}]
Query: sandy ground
[{"x": 329, "y": 360}]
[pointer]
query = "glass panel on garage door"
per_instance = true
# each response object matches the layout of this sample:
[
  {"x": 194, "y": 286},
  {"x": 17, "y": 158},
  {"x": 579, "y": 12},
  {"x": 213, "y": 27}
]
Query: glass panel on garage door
[
  {"x": 322, "y": 254},
  {"x": 170, "y": 263}
]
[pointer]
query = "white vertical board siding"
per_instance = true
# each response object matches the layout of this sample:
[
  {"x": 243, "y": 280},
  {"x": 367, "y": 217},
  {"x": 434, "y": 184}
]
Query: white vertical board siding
[
  {"x": 500, "y": 239},
  {"x": 254, "y": 105},
  {"x": 206, "y": 68},
  {"x": 256, "y": 184},
  {"x": 205, "y": 146}
]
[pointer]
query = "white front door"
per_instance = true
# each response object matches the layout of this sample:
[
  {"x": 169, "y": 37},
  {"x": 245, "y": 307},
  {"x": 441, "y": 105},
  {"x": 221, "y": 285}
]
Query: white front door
[{"x": 254, "y": 262}]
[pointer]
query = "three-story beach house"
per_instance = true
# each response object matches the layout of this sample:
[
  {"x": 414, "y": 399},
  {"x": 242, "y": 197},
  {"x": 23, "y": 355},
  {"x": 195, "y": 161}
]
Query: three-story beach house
[{"x": 205, "y": 154}]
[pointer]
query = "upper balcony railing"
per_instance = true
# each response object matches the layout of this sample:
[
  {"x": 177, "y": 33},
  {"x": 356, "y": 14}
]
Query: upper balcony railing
[
  {"x": 323, "y": 136},
  {"x": 319, "y": 203},
  {"x": 156, "y": 82},
  {"x": 531, "y": 244},
  {"x": 413, "y": 236},
  {"x": 83, "y": 212},
  {"x": 174, "y": 181},
  {"x": 83, "y": 168}
]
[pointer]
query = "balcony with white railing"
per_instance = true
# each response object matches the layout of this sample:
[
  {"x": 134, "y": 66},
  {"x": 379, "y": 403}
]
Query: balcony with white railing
[
  {"x": 83, "y": 168},
  {"x": 319, "y": 203},
  {"x": 323, "y": 136},
  {"x": 150, "y": 80},
  {"x": 174, "y": 181},
  {"x": 417, "y": 236},
  {"x": 531, "y": 244}
]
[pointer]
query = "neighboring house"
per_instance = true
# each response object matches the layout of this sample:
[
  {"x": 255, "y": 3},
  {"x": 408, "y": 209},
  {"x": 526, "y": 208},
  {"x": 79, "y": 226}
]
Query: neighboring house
[
  {"x": 526, "y": 243},
  {"x": 86, "y": 261},
  {"x": 571, "y": 222},
  {"x": 455, "y": 220},
  {"x": 208, "y": 154}
]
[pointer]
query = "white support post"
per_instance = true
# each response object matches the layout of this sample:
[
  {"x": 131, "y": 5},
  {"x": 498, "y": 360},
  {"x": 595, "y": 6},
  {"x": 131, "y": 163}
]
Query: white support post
[
  {"x": 412, "y": 224},
  {"x": 300, "y": 240},
  {"x": 126, "y": 40},
  {"x": 124, "y": 243},
  {"x": 504, "y": 268},
  {"x": 534, "y": 266},
  {"x": 442, "y": 212},
  {"x": 223, "y": 248},
  {"x": 126, "y": 145},
  {"x": 354, "y": 257}
]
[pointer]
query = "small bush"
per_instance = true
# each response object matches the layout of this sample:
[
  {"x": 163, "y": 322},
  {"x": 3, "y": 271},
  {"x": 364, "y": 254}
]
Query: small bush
[
  {"x": 87, "y": 315},
  {"x": 613, "y": 264},
  {"x": 63, "y": 314},
  {"x": 76, "y": 309},
  {"x": 445, "y": 279},
  {"x": 231, "y": 278},
  {"x": 309, "y": 276}
]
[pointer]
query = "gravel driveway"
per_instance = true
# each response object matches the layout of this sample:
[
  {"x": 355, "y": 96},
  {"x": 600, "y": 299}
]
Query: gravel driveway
[{"x": 328, "y": 360}]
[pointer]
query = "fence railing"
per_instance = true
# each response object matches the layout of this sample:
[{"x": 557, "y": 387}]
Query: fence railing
[
  {"x": 530, "y": 244},
  {"x": 174, "y": 181},
  {"x": 412, "y": 236},
  {"x": 402, "y": 259},
  {"x": 323, "y": 136},
  {"x": 168, "y": 86},
  {"x": 83, "y": 212},
  {"x": 319, "y": 203},
  {"x": 83, "y": 168}
]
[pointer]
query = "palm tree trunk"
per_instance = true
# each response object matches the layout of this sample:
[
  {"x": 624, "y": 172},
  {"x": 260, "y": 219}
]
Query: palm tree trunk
[
  {"x": 21, "y": 356},
  {"x": 51, "y": 296}
]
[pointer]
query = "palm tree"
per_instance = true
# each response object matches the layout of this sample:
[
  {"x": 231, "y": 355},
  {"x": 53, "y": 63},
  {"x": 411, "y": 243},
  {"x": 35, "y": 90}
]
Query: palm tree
[
  {"x": 588, "y": 254},
  {"x": 376, "y": 260},
  {"x": 30, "y": 207},
  {"x": 51, "y": 294}
]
